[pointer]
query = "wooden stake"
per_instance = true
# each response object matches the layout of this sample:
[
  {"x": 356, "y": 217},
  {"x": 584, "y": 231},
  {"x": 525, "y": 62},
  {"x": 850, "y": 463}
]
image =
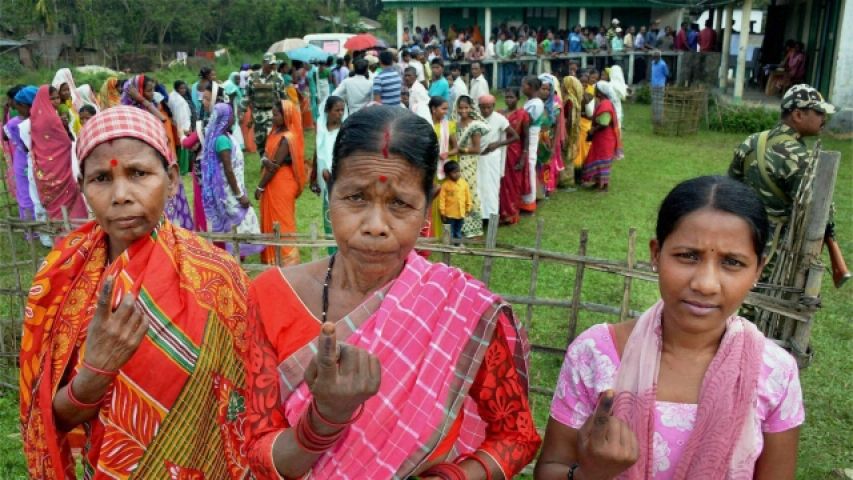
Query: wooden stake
[
  {"x": 576, "y": 291},
  {"x": 810, "y": 272},
  {"x": 276, "y": 235},
  {"x": 626, "y": 291},
  {"x": 315, "y": 254},
  {"x": 491, "y": 242},
  {"x": 534, "y": 274},
  {"x": 445, "y": 240}
]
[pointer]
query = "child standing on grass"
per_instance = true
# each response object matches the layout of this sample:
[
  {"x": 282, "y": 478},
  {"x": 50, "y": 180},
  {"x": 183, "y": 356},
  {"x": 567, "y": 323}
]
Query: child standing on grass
[{"x": 454, "y": 199}]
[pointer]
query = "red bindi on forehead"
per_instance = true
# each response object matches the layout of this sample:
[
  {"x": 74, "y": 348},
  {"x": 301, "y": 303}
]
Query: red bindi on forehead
[{"x": 113, "y": 162}]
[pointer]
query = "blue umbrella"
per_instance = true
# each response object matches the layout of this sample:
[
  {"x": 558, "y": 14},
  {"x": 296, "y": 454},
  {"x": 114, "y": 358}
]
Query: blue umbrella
[{"x": 308, "y": 54}]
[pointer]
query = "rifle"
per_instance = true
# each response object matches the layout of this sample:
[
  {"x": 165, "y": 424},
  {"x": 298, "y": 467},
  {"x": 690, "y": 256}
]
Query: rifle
[{"x": 840, "y": 273}]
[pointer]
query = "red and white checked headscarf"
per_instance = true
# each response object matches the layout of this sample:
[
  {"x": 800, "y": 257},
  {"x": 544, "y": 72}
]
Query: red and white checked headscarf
[{"x": 123, "y": 122}]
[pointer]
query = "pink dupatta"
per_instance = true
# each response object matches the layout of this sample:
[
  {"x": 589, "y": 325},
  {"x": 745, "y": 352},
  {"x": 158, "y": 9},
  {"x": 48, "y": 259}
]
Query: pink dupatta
[
  {"x": 723, "y": 438},
  {"x": 430, "y": 332}
]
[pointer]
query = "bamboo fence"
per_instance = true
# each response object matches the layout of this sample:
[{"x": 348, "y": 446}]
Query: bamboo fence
[
  {"x": 683, "y": 108},
  {"x": 786, "y": 306}
]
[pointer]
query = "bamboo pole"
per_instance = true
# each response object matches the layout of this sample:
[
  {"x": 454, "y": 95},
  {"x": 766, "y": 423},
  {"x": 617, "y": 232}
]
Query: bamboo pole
[
  {"x": 31, "y": 239},
  {"x": 445, "y": 240},
  {"x": 235, "y": 246},
  {"x": 534, "y": 274},
  {"x": 810, "y": 271},
  {"x": 315, "y": 254},
  {"x": 577, "y": 289},
  {"x": 66, "y": 221},
  {"x": 491, "y": 242},
  {"x": 626, "y": 291},
  {"x": 276, "y": 233}
]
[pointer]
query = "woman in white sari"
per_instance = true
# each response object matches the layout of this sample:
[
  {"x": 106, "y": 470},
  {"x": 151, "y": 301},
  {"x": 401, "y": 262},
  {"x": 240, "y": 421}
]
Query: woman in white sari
[
  {"x": 70, "y": 99},
  {"x": 620, "y": 89},
  {"x": 333, "y": 112}
]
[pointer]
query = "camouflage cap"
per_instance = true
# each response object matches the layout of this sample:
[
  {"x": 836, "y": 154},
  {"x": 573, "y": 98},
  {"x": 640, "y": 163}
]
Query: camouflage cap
[
  {"x": 804, "y": 96},
  {"x": 270, "y": 58}
]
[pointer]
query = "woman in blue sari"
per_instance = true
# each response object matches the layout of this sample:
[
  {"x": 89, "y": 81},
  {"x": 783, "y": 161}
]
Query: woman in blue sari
[{"x": 226, "y": 203}]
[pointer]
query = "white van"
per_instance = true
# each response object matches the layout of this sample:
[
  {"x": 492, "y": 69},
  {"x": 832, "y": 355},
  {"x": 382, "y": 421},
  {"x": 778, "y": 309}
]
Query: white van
[{"x": 332, "y": 43}]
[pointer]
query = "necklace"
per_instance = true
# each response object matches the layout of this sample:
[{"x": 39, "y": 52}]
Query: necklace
[{"x": 326, "y": 286}]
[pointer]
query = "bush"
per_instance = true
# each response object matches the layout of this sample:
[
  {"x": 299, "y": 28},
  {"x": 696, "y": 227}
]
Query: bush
[
  {"x": 642, "y": 94},
  {"x": 10, "y": 66},
  {"x": 742, "y": 118}
]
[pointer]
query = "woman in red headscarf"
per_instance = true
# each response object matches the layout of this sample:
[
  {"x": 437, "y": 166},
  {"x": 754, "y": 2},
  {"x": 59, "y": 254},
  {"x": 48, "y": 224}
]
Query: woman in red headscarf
[
  {"x": 52, "y": 161},
  {"x": 135, "y": 331}
]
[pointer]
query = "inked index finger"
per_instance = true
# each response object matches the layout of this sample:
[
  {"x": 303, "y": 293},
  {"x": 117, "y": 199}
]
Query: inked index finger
[
  {"x": 603, "y": 410},
  {"x": 327, "y": 352},
  {"x": 105, "y": 299}
]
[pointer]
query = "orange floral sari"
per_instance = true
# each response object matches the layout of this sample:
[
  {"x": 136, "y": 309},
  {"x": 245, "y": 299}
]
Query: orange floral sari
[
  {"x": 186, "y": 420},
  {"x": 278, "y": 202}
]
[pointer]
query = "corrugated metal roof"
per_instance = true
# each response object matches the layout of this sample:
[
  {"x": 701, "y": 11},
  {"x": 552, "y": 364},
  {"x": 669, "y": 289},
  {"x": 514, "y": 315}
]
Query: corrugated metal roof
[
  {"x": 6, "y": 42},
  {"x": 548, "y": 3}
]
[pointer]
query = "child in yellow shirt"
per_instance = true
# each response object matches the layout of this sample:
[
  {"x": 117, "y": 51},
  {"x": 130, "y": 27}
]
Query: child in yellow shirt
[{"x": 454, "y": 200}]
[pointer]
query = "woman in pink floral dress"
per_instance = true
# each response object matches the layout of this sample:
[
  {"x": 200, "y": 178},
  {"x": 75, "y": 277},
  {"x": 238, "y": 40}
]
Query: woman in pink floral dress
[{"x": 689, "y": 390}]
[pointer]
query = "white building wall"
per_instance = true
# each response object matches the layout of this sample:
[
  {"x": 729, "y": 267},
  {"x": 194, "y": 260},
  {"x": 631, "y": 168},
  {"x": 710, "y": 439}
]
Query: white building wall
[
  {"x": 841, "y": 88},
  {"x": 424, "y": 17}
]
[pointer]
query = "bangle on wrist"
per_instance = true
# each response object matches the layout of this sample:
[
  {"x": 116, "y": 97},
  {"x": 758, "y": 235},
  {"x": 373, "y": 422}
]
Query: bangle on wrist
[
  {"x": 69, "y": 391},
  {"x": 476, "y": 458},
  {"x": 98, "y": 371},
  {"x": 259, "y": 188},
  {"x": 325, "y": 421},
  {"x": 446, "y": 471},
  {"x": 309, "y": 440}
]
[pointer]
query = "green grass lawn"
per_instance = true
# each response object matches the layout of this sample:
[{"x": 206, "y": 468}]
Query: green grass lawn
[{"x": 652, "y": 166}]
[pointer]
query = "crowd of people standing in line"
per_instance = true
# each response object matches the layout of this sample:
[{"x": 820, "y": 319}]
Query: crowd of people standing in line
[
  {"x": 554, "y": 133},
  {"x": 518, "y": 42},
  {"x": 373, "y": 362},
  {"x": 209, "y": 125}
]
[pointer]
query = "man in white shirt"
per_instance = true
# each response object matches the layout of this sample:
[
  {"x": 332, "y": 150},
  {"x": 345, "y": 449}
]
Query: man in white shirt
[
  {"x": 459, "y": 43},
  {"x": 479, "y": 86},
  {"x": 357, "y": 90},
  {"x": 418, "y": 95},
  {"x": 372, "y": 65},
  {"x": 457, "y": 86},
  {"x": 492, "y": 162},
  {"x": 417, "y": 64},
  {"x": 491, "y": 50},
  {"x": 467, "y": 46}
]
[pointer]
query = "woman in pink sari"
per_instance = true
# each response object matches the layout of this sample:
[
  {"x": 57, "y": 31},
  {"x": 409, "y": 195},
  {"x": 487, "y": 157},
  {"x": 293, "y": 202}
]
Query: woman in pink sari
[
  {"x": 689, "y": 390},
  {"x": 57, "y": 187},
  {"x": 375, "y": 363}
]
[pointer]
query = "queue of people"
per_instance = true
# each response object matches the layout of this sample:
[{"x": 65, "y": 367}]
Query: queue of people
[
  {"x": 208, "y": 126},
  {"x": 382, "y": 364},
  {"x": 373, "y": 362}
]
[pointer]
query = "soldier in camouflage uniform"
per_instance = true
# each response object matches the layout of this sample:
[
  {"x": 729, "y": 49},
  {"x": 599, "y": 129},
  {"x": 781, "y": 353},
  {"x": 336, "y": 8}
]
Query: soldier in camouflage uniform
[
  {"x": 264, "y": 89},
  {"x": 772, "y": 162}
]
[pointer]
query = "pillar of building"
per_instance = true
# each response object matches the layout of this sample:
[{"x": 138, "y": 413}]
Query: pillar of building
[{"x": 742, "y": 49}]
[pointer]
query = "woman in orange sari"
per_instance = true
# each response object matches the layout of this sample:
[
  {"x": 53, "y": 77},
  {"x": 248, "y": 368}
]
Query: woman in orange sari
[
  {"x": 283, "y": 178},
  {"x": 135, "y": 331},
  {"x": 110, "y": 95}
]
